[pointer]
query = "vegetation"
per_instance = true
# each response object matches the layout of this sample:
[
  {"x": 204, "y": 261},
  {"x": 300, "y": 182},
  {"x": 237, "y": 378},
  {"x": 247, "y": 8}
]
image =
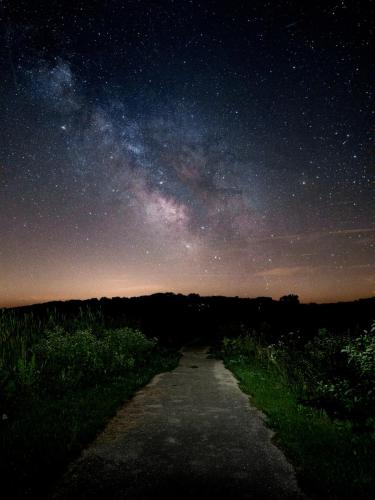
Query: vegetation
[
  {"x": 61, "y": 379},
  {"x": 65, "y": 368},
  {"x": 319, "y": 397}
]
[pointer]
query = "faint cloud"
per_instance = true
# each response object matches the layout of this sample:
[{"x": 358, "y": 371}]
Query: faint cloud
[
  {"x": 284, "y": 272},
  {"x": 354, "y": 231},
  {"x": 316, "y": 235}
]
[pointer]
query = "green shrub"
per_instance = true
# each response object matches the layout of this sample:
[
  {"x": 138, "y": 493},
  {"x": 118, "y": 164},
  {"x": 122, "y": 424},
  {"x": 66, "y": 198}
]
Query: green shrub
[
  {"x": 361, "y": 354},
  {"x": 333, "y": 372},
  {"x": 61, "y": 379},
  {"x": 50, "y": 357},
  {"x": 65, "y": 360},
  {"x": 354, "y": 390}
]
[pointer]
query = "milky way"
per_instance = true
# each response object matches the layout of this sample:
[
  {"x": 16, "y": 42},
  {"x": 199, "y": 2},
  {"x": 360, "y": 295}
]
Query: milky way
[{"x": 186, "y": 147}]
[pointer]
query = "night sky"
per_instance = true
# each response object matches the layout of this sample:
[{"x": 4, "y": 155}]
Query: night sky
[{"x": 186, "y": 146}]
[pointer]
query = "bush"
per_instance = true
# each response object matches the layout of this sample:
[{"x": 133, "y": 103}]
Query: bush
[
  {"x": 332, "y": 372},
  {"x": 59, "y": 385},
  {"x": 361, "y": 354},
  {"x": 354, "y": 391},
  {"x": 66, "y": 360},
  {"x": 63, "y": 356}
]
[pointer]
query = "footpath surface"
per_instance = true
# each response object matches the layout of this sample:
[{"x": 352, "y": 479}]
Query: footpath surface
[{"x": 190, "y": 433}]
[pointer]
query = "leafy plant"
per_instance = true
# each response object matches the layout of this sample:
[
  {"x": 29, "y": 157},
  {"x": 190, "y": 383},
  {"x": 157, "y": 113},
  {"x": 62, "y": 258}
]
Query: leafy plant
[
  {"x": 361, "y": 353},
  {"x": 61, "y": 379}
]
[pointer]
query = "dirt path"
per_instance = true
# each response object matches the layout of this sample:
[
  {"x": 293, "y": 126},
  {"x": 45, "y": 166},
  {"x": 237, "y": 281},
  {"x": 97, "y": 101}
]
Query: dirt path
[{"x": 190, "y": 433}]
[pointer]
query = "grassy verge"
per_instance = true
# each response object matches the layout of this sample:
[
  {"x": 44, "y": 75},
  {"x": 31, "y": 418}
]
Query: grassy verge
[
  {"x": 331, "y": 460},
  {"x": 38, "y": 446},
  {"x": 56, "y": 398}
]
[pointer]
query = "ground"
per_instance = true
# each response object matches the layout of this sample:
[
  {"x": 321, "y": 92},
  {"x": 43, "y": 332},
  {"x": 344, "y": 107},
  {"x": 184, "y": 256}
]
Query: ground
[{"x": 190, "y": 433}]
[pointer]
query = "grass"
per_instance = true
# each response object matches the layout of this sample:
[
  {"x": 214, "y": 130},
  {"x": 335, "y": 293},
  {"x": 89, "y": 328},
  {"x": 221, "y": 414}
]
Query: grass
[
  {"x": 61, "y": 380},
  {"x": 37, "y": 446},
  {"x": 63, "y": 377},
  {"x": 331, "y": 460}
]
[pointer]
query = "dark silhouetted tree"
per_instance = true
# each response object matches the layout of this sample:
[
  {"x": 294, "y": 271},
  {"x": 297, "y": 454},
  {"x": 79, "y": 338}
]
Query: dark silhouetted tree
[{"x": 290, "y": 299}]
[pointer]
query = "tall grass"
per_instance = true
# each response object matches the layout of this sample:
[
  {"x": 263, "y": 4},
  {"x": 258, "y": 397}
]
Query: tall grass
[
  {"x": 20, "y": 331},
  {"x": 17, "y": 334}
]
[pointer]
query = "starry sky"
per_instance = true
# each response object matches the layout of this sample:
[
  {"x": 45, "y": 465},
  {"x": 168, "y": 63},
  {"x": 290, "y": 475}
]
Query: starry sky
[{"x": 186, "y": 146}]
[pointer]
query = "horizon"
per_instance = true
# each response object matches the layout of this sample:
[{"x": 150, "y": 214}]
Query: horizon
[
  {"x": 186, "y": 146},
  {"x": 84, "y": 299}
]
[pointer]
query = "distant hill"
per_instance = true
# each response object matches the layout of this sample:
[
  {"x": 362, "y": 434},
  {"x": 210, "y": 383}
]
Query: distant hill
[{"x": 176, "y": 317}]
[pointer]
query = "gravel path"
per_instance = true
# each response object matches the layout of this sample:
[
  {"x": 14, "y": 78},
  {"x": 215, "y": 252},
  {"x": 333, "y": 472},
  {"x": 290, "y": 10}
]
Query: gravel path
[{"x": 190, "y": 433}]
